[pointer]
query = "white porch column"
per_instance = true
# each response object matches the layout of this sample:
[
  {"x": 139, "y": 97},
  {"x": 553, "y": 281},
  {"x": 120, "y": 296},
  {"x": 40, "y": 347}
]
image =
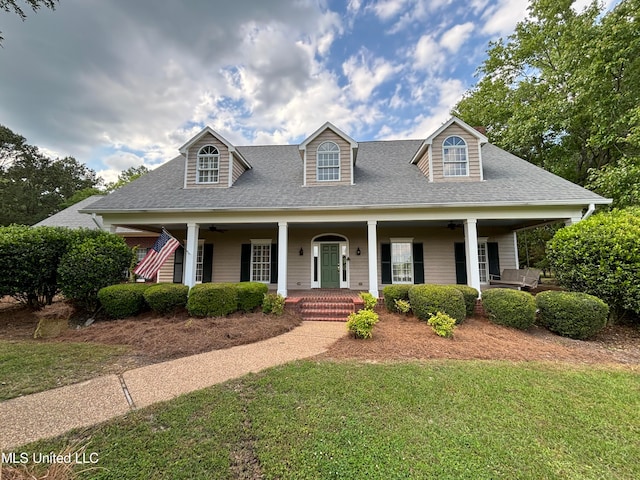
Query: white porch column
[
  {"x": 471, "y": 251},
  {"x": 372, "y": 252},
  {"x": 515, "y": 248},
  {"x": 191, "y": 254},
  {"x": 283, "y": 247}
]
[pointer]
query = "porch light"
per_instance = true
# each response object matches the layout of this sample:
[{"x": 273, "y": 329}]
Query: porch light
[
  {"x": 358, "y": 252},
  {"x": 301, "y": 251}
]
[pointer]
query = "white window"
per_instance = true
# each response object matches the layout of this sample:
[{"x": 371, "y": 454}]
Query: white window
[
  {"x": 261, "y": 261},
  {"x": 199, "y": 262},
  {"x": 208, "y": 166},
  {"x": 141, "y": 252},
  {"x": 454, "y": 157},
  {"x": 328, "y": 165},
  {"x": 402, "y": 260},
  {"x": 483, "y": 262}
]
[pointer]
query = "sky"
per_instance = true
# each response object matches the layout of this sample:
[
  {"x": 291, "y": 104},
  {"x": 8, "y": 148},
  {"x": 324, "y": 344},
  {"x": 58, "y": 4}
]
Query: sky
[{"x": 122, "y": 83}]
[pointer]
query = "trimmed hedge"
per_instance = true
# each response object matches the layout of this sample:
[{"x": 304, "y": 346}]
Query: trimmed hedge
[
  {"x": 123, "y": 300},
  {"x": 470, "y": 295},
  {"x": 572, "y": 314},
  {"x": 250, "y": 295},
  {"x": 391, "y": 293},
  {"x": 511, "y": 308},
  {"x": 212, "y": 299},
  {"x": 428, "y": 300},
  {"x": 166, "y": 297}
]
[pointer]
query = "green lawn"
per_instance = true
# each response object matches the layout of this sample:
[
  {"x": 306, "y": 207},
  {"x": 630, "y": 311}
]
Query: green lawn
[
  {"x": 28, "y": 367},
  {"x": 445, "y": 419}
]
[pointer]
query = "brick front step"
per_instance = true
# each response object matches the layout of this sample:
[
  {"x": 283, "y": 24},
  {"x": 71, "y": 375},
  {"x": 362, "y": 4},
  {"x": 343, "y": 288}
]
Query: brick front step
[{"x": 332, "y": 309}]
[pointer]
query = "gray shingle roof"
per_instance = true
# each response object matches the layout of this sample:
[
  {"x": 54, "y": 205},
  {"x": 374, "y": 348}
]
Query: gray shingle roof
[
  {"x": 72, "y": 218},
  {"x": 383, "y": 175}
]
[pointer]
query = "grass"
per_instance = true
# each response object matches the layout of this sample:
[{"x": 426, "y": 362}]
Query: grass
[
  {"x": 28, "y": 367},
  {"x": 446, "y": 419}
]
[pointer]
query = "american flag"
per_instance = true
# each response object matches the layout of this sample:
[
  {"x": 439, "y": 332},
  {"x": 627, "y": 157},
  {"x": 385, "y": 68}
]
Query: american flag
[{"x": 165, "y": 245}]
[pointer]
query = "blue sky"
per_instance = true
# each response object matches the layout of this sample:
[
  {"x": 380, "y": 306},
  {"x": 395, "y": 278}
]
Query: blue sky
[{"x": 122, "y": 83}]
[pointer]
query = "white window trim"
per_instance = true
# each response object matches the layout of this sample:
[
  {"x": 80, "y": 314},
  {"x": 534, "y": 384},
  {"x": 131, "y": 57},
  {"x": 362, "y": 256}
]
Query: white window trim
[
  {"x": 215, "y": 172},
  {"x": 482, "y": 241},
  {"x": 393, "y": 241},
  {"x": 319, "y": 168},
  {"x": 446, "y": 162},
  {"x": 261, "y": 242},
  {"x": 200, "y": 261}
]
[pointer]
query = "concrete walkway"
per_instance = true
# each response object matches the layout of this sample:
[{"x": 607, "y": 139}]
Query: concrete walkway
[{"x": 54, "y": 412}]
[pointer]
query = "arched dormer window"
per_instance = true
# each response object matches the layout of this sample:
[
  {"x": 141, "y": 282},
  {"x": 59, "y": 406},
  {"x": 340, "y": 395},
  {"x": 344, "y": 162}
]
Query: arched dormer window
[
  {"x": 454, "y": 157},
  {"x": 208, "y": 167},
  {"x": 328, "y": 163}
]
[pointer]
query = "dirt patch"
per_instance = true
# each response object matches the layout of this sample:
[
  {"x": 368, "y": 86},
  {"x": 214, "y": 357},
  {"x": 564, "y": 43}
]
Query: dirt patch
[{"x": 402, "y": 338}]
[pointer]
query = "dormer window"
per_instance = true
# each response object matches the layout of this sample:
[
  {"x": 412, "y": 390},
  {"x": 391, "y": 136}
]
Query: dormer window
[
  {"x": 208, "y": 168},
  {"x": 454, "y": 157},
  {"x": 328, "y": 163}
]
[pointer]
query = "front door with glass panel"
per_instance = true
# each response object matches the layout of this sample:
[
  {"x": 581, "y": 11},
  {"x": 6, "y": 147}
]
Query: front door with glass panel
[{"x": 330, "y": 265}]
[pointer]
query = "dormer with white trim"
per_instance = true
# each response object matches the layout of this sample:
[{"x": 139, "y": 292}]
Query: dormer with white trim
[
  {"x": 328, "y": 157},
  {"x": 211, "y": 161},
  {"x": 453, "y": 153}
]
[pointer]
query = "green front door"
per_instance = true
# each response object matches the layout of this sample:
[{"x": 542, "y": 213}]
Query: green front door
[{"x": 330, "y": 265}]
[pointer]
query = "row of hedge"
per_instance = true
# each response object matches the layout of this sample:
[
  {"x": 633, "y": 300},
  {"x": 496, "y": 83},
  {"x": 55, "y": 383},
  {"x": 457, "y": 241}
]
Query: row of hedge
[
  {"x": 204, "y": 300},
  {"x": 570, "y": 314}
]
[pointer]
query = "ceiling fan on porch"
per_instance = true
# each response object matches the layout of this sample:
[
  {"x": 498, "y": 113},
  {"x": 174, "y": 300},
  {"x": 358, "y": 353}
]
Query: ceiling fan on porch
[
  {"x": 452, "y": 225},
  {"x": 215, "y": 229}
]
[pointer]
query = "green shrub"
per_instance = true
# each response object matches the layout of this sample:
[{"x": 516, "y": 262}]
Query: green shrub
[
  {"x": 212, "y": 299},
  {"x": 442, "y": 324},
  {"x": 402, "y": 306},
  {"x": 428, "y": 300},
  {"x": 369, "y": 300},
  {"x": 601, "y": 256},
  {"x": 166, "y": 297},
  {"x": 361, "y": 323},
  {"x": 273, "y": 303},
  {"x": 124, "y": 300},
  {"x": 97, "y": 261},
  {"x": 511, "y": 308},
  {"x": 572, "y": 314},
  {"x": 250, "y": 295},
  {"x": 391, "y": 293},
  {"x": 470, "y": 295}
]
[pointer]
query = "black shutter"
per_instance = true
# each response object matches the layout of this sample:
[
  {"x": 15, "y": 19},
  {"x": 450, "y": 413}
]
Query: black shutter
[
  {"x": 274, "y": 263},
  {"x": 207, "y": 263},
  {"x": 418, "y": 263},
  {"x": 178, "y": 265},
  {"x": 494, "y": 258},
  {"x": 385, "y": 256},
  {"x": 245, "y": 262},
  {"x": 461, "y": 264}
]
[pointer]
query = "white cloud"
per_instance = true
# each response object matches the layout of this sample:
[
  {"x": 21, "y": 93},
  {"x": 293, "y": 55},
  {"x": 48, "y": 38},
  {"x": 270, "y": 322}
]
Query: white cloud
[
  {"x": 387, "y": 9},
  {"x": 453, "y": 38},
  {"x": 501, "y": 18},
  {"x": 365, "y": 74},
  {"x": 428, "y": 54}
]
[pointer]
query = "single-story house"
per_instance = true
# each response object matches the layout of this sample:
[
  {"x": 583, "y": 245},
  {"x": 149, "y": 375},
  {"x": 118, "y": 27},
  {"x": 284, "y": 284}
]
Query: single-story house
[
  {"x": 333, "y": 212},
  {"x": 72, "y": 217}
]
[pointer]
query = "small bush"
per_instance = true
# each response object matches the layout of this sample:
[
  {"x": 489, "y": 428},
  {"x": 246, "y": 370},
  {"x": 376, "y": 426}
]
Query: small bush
[
  {"x": 369, "y": 300},
  {"x": 212, "y": 299},
  {"x": 273, "y": 303},
  {"x": 402, "y": 306},
  {"x": 511, "y": 308},
  {"x": 428, "y": 300},
  {"x": 124, "y": 300},
  {"x": 391, "y": 293},
  {"x": 442, "y": 324},
  {"x": 250, "y": 295},
  {"x": 470, "y": 295},
  {"x": 572, "y": 314},
  {"x": 361, "y": 323},
  {"x": 166, "y": 297}
]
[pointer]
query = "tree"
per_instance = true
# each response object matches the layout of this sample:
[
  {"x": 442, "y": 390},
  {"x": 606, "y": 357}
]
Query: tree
[
  {"x": 563, "y": 90},
  {"x": 127, "y": 176},
  {"x": 32, "y": 185},
  {"x": 601, "y": 256},
  {"x": 10, "y": 6},
  {"x": 620, "y": 182}
]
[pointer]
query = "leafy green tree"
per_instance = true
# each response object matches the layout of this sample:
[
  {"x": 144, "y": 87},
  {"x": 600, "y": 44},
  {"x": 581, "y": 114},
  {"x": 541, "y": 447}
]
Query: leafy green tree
[
  {"x": 563, "y": 90},
  {"x": 127, "y": 176},
  {"x": 10, "y": 6},
  {"x": 601, "y": 256},
  {"x": 620, "y": 182}
]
